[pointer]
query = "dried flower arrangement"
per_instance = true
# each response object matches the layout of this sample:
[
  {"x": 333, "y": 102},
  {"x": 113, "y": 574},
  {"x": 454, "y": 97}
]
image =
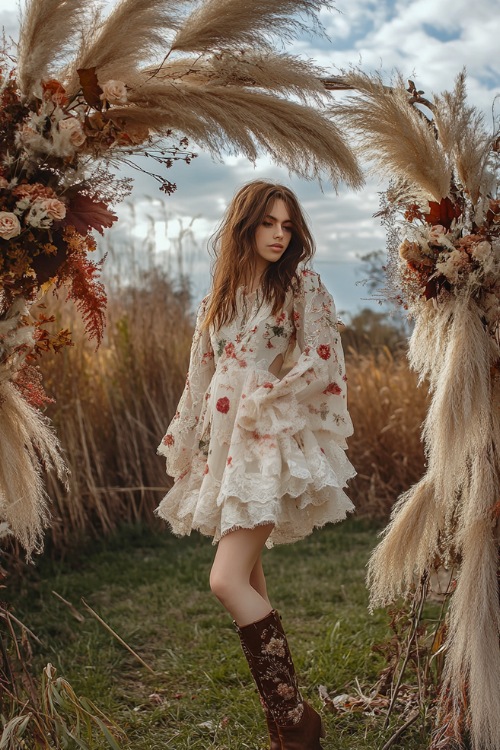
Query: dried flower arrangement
[
  {"x": 83, "y": 95},
  {"x": 442, "y": 211}
]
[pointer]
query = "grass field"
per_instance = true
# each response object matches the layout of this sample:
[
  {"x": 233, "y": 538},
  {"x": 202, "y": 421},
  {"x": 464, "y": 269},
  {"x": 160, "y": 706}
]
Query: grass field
[{"x": 153, "y": 590}]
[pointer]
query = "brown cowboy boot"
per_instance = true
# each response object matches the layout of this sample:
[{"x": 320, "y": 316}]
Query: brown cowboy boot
[
  {"x": 299, "y": 725},
  {"x": 271, "y": 724}
]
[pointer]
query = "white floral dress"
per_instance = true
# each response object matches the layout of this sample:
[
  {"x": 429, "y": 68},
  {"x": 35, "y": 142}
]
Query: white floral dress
[{"x": 247, "y": 447}]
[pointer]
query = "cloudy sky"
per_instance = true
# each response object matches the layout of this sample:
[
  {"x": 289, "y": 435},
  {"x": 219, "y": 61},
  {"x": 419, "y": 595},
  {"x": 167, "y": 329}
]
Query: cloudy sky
[{"x": 428, "y": 40}]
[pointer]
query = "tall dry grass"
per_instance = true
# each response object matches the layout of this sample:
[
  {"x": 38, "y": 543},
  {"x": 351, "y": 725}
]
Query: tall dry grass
[
  {"x": 387, "y": 410},
  {"x": 112, "y": 407}
]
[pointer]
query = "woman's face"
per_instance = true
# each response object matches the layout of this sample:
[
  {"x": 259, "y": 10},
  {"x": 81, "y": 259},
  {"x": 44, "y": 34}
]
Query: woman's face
[{"x": 273, "y": 235}]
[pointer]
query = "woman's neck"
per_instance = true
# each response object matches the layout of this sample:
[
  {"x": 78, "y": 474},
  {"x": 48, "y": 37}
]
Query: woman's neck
[{"x": 254, "y": 283}]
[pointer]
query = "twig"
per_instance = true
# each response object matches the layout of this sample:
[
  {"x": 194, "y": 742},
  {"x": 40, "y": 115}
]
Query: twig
[
  {"x": 76, "y": 614},
  {"x": 413, "y": 717},
  {"x": 423, "y": 591},
  {"x": 9, "y": 616},
  {"x": 113, "y": 633},
  {"x": 336, "y": 83}
]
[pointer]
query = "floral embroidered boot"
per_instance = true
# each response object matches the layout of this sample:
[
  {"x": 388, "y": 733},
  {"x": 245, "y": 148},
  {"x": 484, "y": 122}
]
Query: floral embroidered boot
[
  {"x": 266, "y": 648},
  {"x": 271, "y": 724}
]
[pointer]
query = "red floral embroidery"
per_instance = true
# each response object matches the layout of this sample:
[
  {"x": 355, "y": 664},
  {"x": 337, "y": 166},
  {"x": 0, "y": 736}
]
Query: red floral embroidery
[
  {"x": 267, "y": 385},
  {"x": 168, "y": 440},
  {"x": 229, "y": 461},
  {"x": 324, "y": 351},
  {"x": 223, "y": 405},
  {"x": 206, "y": 469},
  {"x": 229, "y": 349},
  {"x": 333, "y": 388}
]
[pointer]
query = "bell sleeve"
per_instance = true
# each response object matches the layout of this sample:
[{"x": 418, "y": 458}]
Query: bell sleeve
[
  {"x": 313, "y": 394},
  {"x": 180, "y": 440}
]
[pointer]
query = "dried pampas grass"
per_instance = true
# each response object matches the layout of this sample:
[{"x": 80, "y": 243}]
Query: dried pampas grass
[
  {"x": 28, "y": 447},
  {"x": 134, "y": 32},
  {"x": 450, "y": 514},
  {"x": 250, "y": 121},
  {"x": 266, "y": 70},
  {"x": 462, "y": 133},
  {"x": 48, "y": 32},
  {"x": 393, "y": 135},
  {"x": 225, "y": 24},
  {"x": 234, "y": 95}
]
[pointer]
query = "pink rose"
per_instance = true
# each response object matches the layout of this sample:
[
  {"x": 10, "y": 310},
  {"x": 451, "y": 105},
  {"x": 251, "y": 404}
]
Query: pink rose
[
  {"x": 9, "y": 225},
  {"x": 55, "y": 210},
  {"x": 34, "y": 191},
  {"x": 114, "y": 91},
  {"x": 436, "y": 232},
  {"x": 72, "y": 127}
]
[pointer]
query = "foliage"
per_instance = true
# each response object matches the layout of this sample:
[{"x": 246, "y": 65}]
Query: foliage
[{"x": 371, "y": 330}]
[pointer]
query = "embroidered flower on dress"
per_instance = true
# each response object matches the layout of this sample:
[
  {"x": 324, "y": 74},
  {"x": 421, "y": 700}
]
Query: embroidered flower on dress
[
  {"x": 333, "y": 388},
  {"x": 324, "y": 351},
  {"x": 223, "y": 405},
  {"x": 168, "y": 440}
]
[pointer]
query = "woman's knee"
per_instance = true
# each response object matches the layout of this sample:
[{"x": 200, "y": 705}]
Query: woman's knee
[{"x": 222, "y": 584}]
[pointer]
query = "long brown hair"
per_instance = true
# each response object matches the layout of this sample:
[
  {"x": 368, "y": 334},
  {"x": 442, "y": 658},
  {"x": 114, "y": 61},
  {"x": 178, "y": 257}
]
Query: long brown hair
[{"x": 235, "y": 250}]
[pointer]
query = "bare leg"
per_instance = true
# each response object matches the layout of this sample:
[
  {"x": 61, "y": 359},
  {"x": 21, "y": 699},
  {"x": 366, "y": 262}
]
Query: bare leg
[
  {"x": 235, "y": 559},
  {"x": 258, "y": 580}
]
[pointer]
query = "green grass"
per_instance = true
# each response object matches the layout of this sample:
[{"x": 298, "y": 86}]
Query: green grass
[{"x": 153, "y": 590}]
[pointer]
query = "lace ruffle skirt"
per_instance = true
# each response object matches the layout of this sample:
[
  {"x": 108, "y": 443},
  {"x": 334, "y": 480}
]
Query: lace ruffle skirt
[{"x": 271, "y": 467}]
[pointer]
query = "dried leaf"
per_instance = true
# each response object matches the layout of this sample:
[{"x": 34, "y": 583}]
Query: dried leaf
[
  {"x": 90, "y": 87},
  {"x": 84, "y": 213}
]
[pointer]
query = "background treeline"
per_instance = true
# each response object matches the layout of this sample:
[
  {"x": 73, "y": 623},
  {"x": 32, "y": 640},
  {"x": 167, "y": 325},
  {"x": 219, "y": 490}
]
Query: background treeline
[{"x": 112, "y": 407}]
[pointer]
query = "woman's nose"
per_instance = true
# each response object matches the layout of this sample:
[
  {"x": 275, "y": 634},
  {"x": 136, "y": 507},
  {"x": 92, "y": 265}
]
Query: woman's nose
[{"x": 278, "y": 232}]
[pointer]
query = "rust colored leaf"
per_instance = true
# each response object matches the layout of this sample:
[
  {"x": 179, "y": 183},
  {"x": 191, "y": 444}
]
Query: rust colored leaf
[
  {"x": 443, "y": 213},
  {"x": 90, "y": 87},
  {"x": 84, "y": 213}
]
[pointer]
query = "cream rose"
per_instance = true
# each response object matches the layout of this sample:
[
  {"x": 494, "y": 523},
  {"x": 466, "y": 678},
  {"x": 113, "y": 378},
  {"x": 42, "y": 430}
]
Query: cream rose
[
  {"x": 3, "y": 183},
  {"x": 411, "y": 251},
  {"x": 481, "y": 251},
  {"x": 451, "y": 266},
  {"x": 9, "y": 225},
  {"x": 73, "y": 129},
  {"x": 114, "y": 91},
  {"x": 54, "y": 209}
]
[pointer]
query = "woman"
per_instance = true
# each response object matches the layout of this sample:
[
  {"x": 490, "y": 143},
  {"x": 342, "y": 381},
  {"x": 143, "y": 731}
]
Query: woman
[{"x": 257, "y": 445}]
